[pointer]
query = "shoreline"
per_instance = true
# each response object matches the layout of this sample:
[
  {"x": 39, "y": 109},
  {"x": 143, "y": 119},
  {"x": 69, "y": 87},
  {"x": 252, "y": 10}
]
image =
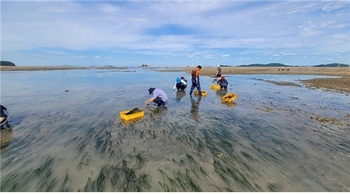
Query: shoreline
[
  {"x": 52, "y": 68},
  {"x": 338, "y": 84}
]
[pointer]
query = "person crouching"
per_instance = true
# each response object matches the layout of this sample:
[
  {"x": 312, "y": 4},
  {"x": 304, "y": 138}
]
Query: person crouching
[
  {"x": 180, "y": 84},
  {"x": 3, "y": 117},
  {"x": 159, "y": 97},
  {"x": 222, "y": 82}
]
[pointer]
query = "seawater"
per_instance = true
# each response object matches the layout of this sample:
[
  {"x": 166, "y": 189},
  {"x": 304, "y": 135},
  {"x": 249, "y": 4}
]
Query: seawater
[{"x": 67, "y": 135}]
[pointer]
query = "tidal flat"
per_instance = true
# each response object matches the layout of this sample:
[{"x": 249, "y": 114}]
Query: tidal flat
[{"x": 66, "y": 134}]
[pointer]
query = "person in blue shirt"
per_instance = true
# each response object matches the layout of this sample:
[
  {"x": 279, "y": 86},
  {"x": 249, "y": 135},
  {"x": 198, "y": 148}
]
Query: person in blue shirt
[
  {"x": 159, "y": 97},
  {"x": 180, "y": 84}
]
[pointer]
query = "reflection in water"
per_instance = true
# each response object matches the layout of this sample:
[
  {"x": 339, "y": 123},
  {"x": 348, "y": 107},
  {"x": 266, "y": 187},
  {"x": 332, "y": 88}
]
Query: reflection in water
[
  {"x": 6, "y": 135},
  {"x": 195, "y": 108},
  {"x": 230, "y": 104},
  {"x": 157, "y": 112},
  {"x": 221, "y": 92},
  {"x": 180, "y": 95}
]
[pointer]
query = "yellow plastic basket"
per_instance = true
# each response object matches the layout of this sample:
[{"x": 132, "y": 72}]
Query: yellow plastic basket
[
  {"x": 126, "y": 117},
  {"x": 215, "y": 87},
  {"x": 204, "y": 93},
  {"x": 229, "y": 97}
]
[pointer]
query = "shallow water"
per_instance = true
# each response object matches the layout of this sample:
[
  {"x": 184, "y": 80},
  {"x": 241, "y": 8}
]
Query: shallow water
[{"x": 67, "y": 135}]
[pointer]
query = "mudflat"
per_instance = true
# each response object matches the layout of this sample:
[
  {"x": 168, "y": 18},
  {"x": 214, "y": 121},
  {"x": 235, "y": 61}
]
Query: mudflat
[
  {"x": 335, "y": 71},
  {"x": 339, "y": 84}
]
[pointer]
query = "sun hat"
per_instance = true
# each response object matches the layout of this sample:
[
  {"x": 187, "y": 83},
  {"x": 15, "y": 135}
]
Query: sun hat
[{"x": 150, "y": 90}]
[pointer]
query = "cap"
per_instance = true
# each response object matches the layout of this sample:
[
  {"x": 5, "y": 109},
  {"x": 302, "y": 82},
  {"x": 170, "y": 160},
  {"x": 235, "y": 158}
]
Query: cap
[
  {"x": 150, "y": 90},
  {"x": 200, "y": 67}
]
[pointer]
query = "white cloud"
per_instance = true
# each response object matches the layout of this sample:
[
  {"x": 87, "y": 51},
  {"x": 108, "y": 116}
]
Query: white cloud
[{"x": 320, "y": 26}]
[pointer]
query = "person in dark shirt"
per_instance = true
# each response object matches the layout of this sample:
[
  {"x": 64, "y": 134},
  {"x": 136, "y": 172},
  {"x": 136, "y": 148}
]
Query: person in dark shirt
[
  {"x": 3, "y": 116},
  {"x": 218, "y": 71},
  {"x": 222, "y": 82}
]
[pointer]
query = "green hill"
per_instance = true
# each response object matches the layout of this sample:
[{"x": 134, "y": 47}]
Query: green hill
[
  {"x": 332, "y": 65},
  {"x": 7, "y": 63}
]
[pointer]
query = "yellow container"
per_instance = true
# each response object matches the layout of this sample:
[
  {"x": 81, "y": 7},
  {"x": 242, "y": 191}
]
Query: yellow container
[
  {"x": 229, "y": 97},
  {"x": 215, "y": 87},
  {"x": 126, "y": 117},
  {"x": 204, "y": 93},
  {"x": 131, "y": 121}
]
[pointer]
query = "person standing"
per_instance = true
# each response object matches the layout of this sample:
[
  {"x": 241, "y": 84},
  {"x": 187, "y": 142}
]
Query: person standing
[
  {"x": 195, "y": 80},
  {"x": 218, "y": 71},
  {"x": 159, "y": 97}
]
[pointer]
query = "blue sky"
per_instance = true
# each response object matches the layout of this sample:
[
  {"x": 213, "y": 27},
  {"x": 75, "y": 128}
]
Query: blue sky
[{"x": 174, "y": 33}]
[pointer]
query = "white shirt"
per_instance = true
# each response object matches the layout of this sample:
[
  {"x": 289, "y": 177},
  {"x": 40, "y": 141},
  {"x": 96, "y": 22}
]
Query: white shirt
[{"x": 182, "y": 81}]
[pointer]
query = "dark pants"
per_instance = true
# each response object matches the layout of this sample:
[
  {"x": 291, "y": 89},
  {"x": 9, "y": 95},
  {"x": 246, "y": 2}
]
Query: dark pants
[
  {"x": 218, "y": 75},
  {"x": 159, "y": 101},
  {"x": 223, "y": 85},
  {"x": 180, "y": 86},
  {"x": 195, "y": 85}
]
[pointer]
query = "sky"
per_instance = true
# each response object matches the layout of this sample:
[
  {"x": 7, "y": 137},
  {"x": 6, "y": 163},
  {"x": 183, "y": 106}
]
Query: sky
[{"x": 174, "y": 32}]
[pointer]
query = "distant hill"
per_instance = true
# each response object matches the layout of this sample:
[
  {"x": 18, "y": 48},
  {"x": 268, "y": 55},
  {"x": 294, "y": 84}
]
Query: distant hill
[
  {"x": 225, "y": 65},
  {"x": 332, "y": 65},
  {"x": 6, "y": 63},
  {"x": 265, "y": 65}
]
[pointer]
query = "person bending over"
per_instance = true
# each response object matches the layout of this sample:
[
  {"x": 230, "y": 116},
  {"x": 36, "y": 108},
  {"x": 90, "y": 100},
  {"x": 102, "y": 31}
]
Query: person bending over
[
  {"x": 3, "y": 116},
  {"x": 180, "y": 84},
  {"x": 159, "y": 97},
  {"x": 222, "y": 82}
]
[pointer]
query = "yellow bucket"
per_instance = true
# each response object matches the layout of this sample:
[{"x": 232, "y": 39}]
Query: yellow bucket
[
  {"x": 204, "y": 93},
  {"x": 215, "y": 87},
  {"x": 229, "y": 97}
]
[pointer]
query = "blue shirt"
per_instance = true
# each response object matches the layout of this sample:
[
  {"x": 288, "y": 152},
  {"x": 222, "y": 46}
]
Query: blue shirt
[{"x": 161, "y": 94}]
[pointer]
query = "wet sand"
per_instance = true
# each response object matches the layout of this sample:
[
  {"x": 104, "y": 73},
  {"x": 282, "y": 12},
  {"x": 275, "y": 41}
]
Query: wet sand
[{"x": 67, "y": 135}]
